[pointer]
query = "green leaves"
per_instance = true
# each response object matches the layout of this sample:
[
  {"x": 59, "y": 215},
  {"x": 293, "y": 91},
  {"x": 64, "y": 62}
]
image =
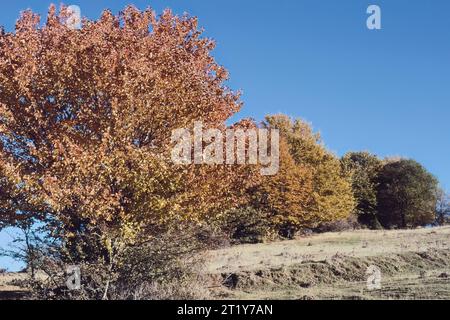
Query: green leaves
[{"x": 407, "y": 195}]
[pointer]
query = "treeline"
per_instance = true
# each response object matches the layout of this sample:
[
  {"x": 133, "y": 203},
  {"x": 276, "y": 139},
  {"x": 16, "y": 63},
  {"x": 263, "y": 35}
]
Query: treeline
[
  {"x": 86, "y": 118},
  {"x": 393, "y": 193},
  {"x": 316, "y": 190}
]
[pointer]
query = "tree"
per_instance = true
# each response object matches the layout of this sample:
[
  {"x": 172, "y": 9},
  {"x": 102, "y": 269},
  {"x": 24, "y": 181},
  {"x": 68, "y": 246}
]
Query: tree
[
  {"x": 442, "y": 207},
  {"x": 332, "y": 196},
  {"x": 406, "y": 195},
  {"x": 86, "y": 118},
  {"x": 364, "y": 168},
  {"x": 83, "y": 119},
  {"x": 28, "y": 246},
  {"x": 287, "y": 196}
]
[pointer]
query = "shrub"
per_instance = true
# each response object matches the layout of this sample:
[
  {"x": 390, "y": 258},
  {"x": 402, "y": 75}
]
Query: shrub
[
  {"x": 171, "y": 261},
  {"x": 246, "y": 225},
  {"x": 350, "y": 223}
]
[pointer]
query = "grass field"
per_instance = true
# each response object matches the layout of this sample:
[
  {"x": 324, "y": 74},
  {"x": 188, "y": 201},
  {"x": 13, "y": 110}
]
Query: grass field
[{"x": 414, "y": 264}]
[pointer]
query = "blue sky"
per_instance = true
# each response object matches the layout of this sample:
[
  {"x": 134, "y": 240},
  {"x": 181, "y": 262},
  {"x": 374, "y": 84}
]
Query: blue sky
[{"x": 386, "y": 91}]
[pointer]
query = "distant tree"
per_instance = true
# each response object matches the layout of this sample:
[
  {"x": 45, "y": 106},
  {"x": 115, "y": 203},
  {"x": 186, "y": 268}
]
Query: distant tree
[
  {"x": 332, "y": 195},
  {"x": 28, "y": 246},
  {"x": 364, "y": 169},
  {"x": 406, "y": 194},
  {"x": 442, "y": 207}
]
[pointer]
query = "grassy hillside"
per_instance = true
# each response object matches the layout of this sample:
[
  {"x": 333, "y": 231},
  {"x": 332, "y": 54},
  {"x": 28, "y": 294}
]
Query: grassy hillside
[{"x": 415, "y": 264}]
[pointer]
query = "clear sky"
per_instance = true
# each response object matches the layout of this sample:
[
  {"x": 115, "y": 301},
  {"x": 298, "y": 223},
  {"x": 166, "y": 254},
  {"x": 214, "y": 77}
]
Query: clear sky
[{"x": 386, "y": 91}]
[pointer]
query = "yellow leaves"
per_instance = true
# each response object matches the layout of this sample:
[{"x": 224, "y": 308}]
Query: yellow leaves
[
  {"x": 327, "y": 190},
  {"x": 108, "y": 244},
  {"x": 287, "y": 194}
]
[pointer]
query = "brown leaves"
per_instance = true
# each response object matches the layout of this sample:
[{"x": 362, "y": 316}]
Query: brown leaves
[
  {"x": 28, "y": 22},
  {"x": 87, "y": 115}
]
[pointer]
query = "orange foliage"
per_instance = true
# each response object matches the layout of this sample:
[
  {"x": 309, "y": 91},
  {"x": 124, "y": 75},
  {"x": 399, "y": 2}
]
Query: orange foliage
[{"x": 86, "y": 118}]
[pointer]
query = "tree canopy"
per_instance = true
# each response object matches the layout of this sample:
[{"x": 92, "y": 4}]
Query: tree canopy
[
  {"x": 364, "y": 169},
  {"x": 407, "y": 195}
]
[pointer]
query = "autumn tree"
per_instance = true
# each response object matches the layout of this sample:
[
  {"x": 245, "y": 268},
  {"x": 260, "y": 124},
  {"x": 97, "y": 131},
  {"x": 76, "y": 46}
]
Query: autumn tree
[
  {"x": 364, "y": 168},
  {"x": 86, "y": 117},
  {"x": 332, "y": 196},
  {"x": 287, "y": 196},
  {"x": 406, "y": 195}
]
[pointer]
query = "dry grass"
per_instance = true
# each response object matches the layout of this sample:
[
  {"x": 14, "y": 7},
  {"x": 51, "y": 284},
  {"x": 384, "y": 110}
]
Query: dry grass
[
  {"x": 414, "y": 265},
  {"x": 360, "y": 243},
  {"x": 10, "y": 285}
]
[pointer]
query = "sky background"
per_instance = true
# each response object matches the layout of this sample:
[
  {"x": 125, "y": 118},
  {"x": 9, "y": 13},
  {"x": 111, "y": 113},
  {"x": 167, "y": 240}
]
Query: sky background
[{"x": 385, "y": 91}]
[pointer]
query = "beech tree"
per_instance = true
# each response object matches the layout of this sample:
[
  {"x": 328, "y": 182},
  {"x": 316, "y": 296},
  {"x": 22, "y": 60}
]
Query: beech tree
[
  {"x": 332, "y": 196},
  {"x": 287, "y": 196},
  {"x": 364, "y": 169},
  {"x": 86, "y": 118}
]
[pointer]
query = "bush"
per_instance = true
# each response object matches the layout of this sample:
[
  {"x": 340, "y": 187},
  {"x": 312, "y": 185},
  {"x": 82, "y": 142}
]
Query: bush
[
  {"x": 247, "y": 225},
  {"x": 350, "y": 223},
  {"x": 171, "y": 260}
]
